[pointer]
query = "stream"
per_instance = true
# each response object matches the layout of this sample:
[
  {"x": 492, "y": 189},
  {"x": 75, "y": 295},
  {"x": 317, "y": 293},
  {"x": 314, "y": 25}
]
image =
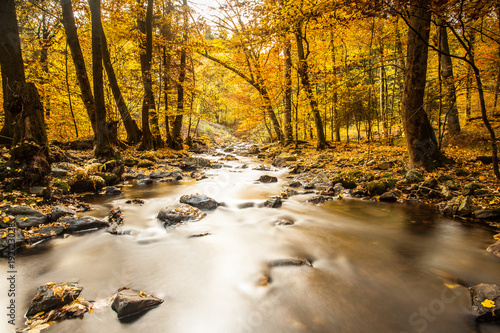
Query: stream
[{"x": 376, "y": 267}]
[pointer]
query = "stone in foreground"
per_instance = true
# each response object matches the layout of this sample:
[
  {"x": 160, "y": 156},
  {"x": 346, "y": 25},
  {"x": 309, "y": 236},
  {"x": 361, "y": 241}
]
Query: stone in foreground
[
  {"x": 129, "y": 302},
  {"x": 200, "y": 201},
  {"x": 53, "y": 296},
  {"x": 268, "y": 179},
  {"x": 178, "y": 213},
  {"x": 485, "y": 302}
]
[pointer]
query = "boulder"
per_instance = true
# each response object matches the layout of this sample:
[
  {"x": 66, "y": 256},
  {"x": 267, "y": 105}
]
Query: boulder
[
  {"x": 27, "y": 217},
  {"x": 430, "y": 183},
  {"x": 273, "y": 203},
  {"x": 193, "y": 163},
  {"x": 112, "y": 190},
  {"x": 253, "y": 150},
  {"x": 487, "y": 213},
  {"x": 129, "y": 302},
  {"x": 175, "y": 174},
  {"x": 485, "y": 302},
  {"x": 388, "y": 197},
  {"x": 6, "y": 240},
  {"x": 295, "y": 184},
  {"x": 53, "y": 296},
  {"x": 262, "y": 168},
  {"x": 451, "y": 206},
  {"x": 178, "y": 213},
  {"x": 90, "y": 184},
  {"x": 58, "y": 172},
  {"x": 60, "y": 211},
  {"x": 319, "y": 199},
  {"x": 465, "y": 207},
  {"x": 145, "y": 182},
  {"x": 413, "y": 176},
  {"x": 76, "y": 224},
  {"x": 200, "y": 201},
  {"x": 384, "y": 166},
  {"x": 494, "y": 249},
  {"x": 268, "y": 179},
  {"x": 376, "y": 188},
  {"x": 284, "y": 221},
  {"x": 36, "y": 235}
]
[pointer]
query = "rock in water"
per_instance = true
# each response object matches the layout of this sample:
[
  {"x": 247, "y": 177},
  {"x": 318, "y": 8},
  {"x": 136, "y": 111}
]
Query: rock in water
[
  {"x": 83, "y": 223},
  {"x": 52, "y": 296},
  {"x": 290, "y": 262},
  {"x": 268, "y": 179},
  {"x": 485, "y": 301},
  {"x": 129, "y": 302},
  {"x": 60, "y": 211},
  {"x": 494, "y": 248},
  {"x": 200, "y": 201},
  {"x": 178, "y": 213}
]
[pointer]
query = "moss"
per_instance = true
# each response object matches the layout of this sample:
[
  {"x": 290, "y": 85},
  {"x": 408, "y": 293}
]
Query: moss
[
  {"x": 145, "y": 164},
  {"x": 151, "y": 156},
  {"x": 62, "y": 185},
  {"x": 109, "y": 178},
  {"x": 130, "y": 162},
  {"x": 376, "y": 187}
]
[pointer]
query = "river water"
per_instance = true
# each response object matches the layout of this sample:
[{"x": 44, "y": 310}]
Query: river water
[{"x": 376, "y": 267}]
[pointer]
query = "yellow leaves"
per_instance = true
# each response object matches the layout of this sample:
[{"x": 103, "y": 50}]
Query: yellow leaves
[
  {"x": 482, "y": 178},
  {"x": 24, "y": 218},
  {"x": 487, "y": 303},
  {"x": 6, "y": 219},
  {"x": 143, "y": 294},
  {"x": 496, "y": 237}
]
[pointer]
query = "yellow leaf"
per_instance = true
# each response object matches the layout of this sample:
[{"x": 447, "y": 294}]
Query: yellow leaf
[
  {"x": 492, "y": 202},
  {"x": 482, "y": 178},
  {"x": 24, "y": 218},
  {"x": 5, "y": 219},
  {"x": 488, "y": 303},
  {"x": 496, "y": 237}
]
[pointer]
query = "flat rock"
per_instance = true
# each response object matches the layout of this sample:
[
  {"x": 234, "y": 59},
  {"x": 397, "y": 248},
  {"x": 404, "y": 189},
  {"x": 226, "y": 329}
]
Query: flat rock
[
  {"x": 60, "y": 211},
  {"x": 129, "y": 302},
  {"x": 318, "y": 199},
  {"x": 7, "y": 245},
  {"x": 90, "y": 184},
  {"x": 36, "y": 235},
  {"x": 200, "y": 201},
  {"x": 53, "y": 296},
  {"x": 485, "y": 301},
  {"x": 58, "y": 172},
  {"x": 76, "y": 224},
  {"x": 268, "y": 179},
  {"x": 27, "y": 217},
  {"x": 486, "y": 213},
  {"x": 178, "y": 213},
  {"x": 112, "y": 190}
]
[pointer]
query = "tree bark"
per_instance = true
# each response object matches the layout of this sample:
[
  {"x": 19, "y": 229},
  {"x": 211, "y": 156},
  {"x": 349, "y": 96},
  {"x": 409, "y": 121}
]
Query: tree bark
[
  {"x": 68, "y": 20},
  {"x": 304, "y": 75},
  {"x": 103, "y": 149},
  {"x": 148, "y": 102},
  {"x": 133, "y": 132},
  {"x": 287, "y": 114},
  {"x": 22, "y": 104},
  {"x": 448, "y": 80},
  {"x": 420, "y": 138},
  {"x": 176, "y": 140}
]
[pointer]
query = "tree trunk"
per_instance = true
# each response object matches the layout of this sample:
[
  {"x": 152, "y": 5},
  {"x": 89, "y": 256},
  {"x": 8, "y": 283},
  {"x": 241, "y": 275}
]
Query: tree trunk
[
  {"x": 176, "y": 141},
  {"x": 448, "y": 80},
  {"x": 304, "y": 75},
  {"x": 133, "y": 132},
  {"x": 68, "y": 20},
  {"x": 68, "y": 90},
  {"x": 287, "y": 114},
  {"x": 103, "y": 149},
  {"x": 22, "y": 103},
  {"x": 148, "y": 102},
  {"x": 420, "y": 138}
]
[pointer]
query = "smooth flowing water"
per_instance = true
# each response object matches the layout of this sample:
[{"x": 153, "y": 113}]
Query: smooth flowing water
[{"x": 376, "y": 267}]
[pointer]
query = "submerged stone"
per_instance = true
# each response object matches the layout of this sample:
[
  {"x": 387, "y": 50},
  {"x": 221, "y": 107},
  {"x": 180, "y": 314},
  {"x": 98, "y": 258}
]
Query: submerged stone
[
  {"x": 178, "y": 213},
  {"x": 200, "y": 201}
]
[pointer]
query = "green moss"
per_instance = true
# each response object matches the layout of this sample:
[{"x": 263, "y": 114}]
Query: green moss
[
  {"x": 376, "y": 187},
  {"x": 62, "y": 185},
  {"x": 145, "y": 164}
]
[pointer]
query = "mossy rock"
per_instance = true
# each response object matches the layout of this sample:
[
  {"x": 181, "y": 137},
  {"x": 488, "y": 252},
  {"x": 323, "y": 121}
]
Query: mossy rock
[
  {"x": 130, "y": 162},
  {"x": 149, "y": 156},
  {"x": 145, "y": 164},
  {"x": 355, "y": 174},
  {"x": 90, "y": 184},
  {"x": 391, "y": 182},
  {"x": 62, "y": 185},
  {"x": 349, "y": 183},
  {"x": 370, "y": 177},
  {"x": 110, "y": 178},
  {"x": 376, "y": 187}
]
